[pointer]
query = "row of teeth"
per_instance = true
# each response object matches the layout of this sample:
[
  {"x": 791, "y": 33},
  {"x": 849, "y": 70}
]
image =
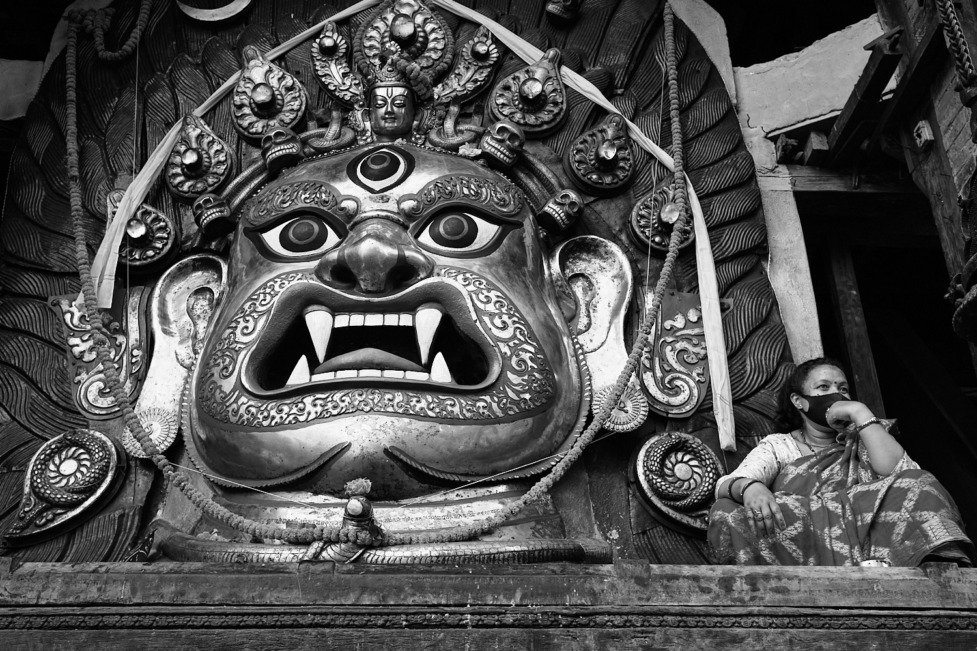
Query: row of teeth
[
  {"x": 321, "y": 322},
  {"x": 439, "y": 373}
]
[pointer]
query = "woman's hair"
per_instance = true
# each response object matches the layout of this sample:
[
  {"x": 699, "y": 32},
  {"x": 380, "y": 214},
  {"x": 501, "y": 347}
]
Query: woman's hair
[{"x": 787, "y": 415}]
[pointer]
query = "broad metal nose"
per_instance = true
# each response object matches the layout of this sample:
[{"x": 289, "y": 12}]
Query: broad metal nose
[{"x": 377, "y": 257}]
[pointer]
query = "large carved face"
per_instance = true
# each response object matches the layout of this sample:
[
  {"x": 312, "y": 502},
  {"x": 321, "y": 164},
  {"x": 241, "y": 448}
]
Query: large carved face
[{"x": 386, "y": 316}]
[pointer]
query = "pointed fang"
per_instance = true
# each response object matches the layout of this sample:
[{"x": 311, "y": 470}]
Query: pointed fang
[
  {"x": 319, "y": 322},
  {"x": 426, "y": 322},
  {"x": 439, "y": 370},
  {"x": 300, "y": 374}
]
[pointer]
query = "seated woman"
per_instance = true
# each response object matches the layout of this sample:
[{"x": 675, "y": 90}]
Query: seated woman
[{"x": 837, "y": 490}]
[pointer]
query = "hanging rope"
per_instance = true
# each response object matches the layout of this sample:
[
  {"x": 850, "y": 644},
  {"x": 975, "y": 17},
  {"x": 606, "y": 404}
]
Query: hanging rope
[
  {"x": 307, "y": 535},
  {"x": 96, "y": 21},
  {"x": 957, "y": 42}
]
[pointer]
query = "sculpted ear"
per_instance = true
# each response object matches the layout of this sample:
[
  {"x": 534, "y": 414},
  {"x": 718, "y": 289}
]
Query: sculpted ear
[
  {"x": 597, "y": 275},
  {"x": 181, "y": 307}
]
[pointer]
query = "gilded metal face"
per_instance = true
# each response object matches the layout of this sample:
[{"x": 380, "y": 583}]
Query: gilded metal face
[
  {"x": 391, "y": 110},
  {"x": 384, "y": 302}
]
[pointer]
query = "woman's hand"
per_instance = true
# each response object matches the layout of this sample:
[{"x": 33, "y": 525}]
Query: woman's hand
[
  {"x": 763, "y": 510},
  {"x": 844, "y": 412}
]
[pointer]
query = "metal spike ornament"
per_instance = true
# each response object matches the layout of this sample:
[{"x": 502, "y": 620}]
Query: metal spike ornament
[
  {"x": 266, "y": 97},
  {"x": 601, "y": 161},
  {"x": 199, "y": 162},
  {"x": 330, "y": 56},
  {"x": 534, "y": 97},
  {"x": 653, "y": 217}
]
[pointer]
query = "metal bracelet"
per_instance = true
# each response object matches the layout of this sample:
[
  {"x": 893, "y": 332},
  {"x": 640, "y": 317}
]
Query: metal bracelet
[
  {"x": 871, "y": 421},
  {"x": 746, "y": 486}
]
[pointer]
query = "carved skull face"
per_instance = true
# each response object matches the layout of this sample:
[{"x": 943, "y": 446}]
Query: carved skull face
[
  {"x": 562, "y": 210},
  {"x": 391, "y": 110},
  {"x": 210, "y": 211},
  {"x": 383, "y": 319},
  {"x": 280, "y": 148},
  {"x": 563, "y": 9},
  {"x": 503, "y": 143}
]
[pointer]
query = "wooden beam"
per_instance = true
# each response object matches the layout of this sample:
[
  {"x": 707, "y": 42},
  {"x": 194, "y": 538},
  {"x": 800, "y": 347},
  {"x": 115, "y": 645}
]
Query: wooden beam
[
  {"x": 921, "y": 69},
  {"x": 851, "y": 316},
  {"x": 849, "y": 130},
  {"x": 807, "y": 179}
]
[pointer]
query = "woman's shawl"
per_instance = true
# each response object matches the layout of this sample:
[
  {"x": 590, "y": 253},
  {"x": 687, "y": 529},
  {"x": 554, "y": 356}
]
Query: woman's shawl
[{"x": 840, "y": 512}]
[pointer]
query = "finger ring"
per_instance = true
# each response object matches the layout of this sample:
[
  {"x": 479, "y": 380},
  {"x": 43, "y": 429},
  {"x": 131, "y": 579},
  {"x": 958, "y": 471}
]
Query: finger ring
[{"x": 757, "y": 515}]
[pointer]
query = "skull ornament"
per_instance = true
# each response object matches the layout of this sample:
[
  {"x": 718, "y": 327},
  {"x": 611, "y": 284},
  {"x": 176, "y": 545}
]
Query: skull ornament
[
  {"x": 562, "y": 11},
  {"x": 280, "y": 148},
  {"x": 502, "y": 144},
  {"x": 559, "y": 213},
  {"x": 213, "y": 215}
]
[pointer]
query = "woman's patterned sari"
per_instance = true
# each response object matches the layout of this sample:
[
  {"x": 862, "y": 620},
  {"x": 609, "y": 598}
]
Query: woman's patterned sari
[{"x": 840, "y": 512}]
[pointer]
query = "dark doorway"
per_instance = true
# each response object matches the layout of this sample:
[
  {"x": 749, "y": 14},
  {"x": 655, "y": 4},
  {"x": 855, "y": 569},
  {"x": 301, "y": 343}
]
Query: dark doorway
[{"x": 925, "y": 373}]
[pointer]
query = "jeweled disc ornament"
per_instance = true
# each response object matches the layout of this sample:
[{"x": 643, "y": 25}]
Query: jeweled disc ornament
[
  {"x": 67, "y": 478},
  {"x": 678, "y": 474},
  {"x": 161, "y": 425}
]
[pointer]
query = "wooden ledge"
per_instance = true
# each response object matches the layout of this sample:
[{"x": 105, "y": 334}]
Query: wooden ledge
[{"x": 118, "y": 604}]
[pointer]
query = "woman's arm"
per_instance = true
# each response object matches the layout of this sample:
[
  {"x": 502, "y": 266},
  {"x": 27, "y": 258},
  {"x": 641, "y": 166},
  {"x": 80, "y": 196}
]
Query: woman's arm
[
  {"x": 749, "y": 485},
  {"x": 761, "y": 464},
  {"x": 884, "y": 452}
]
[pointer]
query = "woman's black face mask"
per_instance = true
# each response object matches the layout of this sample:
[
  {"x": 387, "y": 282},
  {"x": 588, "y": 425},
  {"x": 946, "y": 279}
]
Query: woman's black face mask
[{"x": 817, "y": 406}]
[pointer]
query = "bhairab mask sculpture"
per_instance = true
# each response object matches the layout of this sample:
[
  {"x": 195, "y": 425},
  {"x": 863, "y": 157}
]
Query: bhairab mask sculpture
[
  {"x": 399, "y": 282},
  {"x": 383, "y": 298}
]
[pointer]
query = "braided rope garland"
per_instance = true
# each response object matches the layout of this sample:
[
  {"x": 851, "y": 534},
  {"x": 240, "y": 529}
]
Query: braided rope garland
[
  {"x": 308, "y": 535},
  {"x": 957, "y": 42}
]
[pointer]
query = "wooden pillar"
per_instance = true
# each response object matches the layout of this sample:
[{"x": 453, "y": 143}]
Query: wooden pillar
[{"x": 848, "y": 308}]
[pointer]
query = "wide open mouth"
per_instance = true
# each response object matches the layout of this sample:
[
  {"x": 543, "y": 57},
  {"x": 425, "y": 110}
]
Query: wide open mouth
[{"x": 320, "y": 345}]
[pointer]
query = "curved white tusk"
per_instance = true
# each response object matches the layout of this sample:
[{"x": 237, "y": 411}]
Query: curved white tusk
[{"x": 231, "y": 9}]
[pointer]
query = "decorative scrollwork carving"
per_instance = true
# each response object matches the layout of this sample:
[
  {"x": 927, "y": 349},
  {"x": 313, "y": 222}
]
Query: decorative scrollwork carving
[
  {"x": 678, "y": 474},
  {"x": 199, "y": 162},
  {"x": 410, "y": 27},
  {"x": 498, "y": 197},
  {"x": 472, "y": 69},
  {"x": 150, "y": 235},
  {"x": 652, "y": 218},
  {"x": 66, "y": 476},
  {"x": 266, "y": 97},
  {"x": 601, "y": 161},
  {"x": 673, "y": 368},
  {"x": 330, "y": 56},
  {"x": 534, "y": 97},
  {"x": 91, "y": 394},
  {"x": 312, "y": 193}
]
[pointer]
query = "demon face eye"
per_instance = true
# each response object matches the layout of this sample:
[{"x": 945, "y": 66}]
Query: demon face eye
[
  {"x": 299, "y": 237},
  {"x": 459, "y": 234}
]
